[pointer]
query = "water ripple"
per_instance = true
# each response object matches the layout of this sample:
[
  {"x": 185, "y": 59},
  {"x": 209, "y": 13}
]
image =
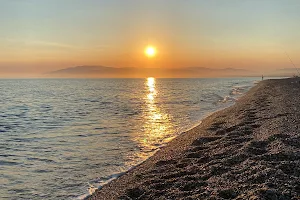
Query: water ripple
[{"x": 60, "y": 138}]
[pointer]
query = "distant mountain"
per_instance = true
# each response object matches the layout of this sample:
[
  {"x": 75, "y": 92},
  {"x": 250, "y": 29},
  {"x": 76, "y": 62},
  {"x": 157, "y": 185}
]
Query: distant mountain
[
  {"x": 285, "y": 72},
  {"x": 102, "y": 71},
  {"x": 292, "y": 70},
  {"x": 85, "y": 70}
]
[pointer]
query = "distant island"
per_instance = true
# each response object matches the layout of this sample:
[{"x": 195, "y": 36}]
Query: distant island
[{"x": 134, "y": 72}]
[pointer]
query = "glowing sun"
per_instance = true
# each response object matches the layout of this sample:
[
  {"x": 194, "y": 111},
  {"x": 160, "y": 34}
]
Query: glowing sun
[{"x": 150, "y": 51}]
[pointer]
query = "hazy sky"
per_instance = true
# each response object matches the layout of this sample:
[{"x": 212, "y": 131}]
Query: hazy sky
[{"x": 38, "y": 36}]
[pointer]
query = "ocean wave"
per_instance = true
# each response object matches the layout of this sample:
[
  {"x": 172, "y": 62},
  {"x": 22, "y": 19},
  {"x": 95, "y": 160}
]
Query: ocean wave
[
  {"x": 228, "y": 99},
  {"x": 101, "y": 133}
]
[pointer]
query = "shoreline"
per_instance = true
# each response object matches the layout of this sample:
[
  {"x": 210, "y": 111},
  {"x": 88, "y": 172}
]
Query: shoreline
[
  {"x": 232, "y": 100},
  {"x": 119, "y": 174},
  {"x": 188, "y": 166}
]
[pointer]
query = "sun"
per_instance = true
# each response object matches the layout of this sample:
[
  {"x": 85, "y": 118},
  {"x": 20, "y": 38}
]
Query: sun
[{"x": 150, "y": 51}]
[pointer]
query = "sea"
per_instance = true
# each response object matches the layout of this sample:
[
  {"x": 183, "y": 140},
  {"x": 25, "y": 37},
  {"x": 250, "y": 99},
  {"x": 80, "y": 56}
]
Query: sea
[{"x": 64, "y": 138}]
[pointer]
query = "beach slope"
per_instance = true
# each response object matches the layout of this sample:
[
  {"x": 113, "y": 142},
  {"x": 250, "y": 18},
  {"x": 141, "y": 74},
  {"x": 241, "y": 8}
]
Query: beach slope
[{"x": 250, "y": 150}]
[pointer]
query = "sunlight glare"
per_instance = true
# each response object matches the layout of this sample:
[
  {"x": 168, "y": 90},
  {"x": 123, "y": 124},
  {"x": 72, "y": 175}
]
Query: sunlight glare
[
  {"x": 151, "y": 83},
  {"x": 157, "y": 126},
  {"x": 150, "y": 51}
]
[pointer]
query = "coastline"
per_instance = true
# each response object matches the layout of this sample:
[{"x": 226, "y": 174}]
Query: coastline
[{"x": 229, "y": 155}]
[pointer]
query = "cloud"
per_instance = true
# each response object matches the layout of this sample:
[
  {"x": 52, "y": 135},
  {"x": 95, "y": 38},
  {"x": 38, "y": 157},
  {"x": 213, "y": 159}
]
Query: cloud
[
  {"x": 41, "y": 43},
  {"x": 52, "y": 44}
]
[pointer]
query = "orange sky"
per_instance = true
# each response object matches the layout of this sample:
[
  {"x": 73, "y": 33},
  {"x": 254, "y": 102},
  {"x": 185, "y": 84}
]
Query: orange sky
[{"x": 43, "y": 36}]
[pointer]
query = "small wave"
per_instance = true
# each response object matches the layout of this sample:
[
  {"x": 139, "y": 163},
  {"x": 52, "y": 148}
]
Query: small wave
[
  {"x": 9, "y": 163},
  {"x": 41, "y": 160},
  {"x": 235, "y": 91},
  {"x": 92, "y": 189},
  {"x": 41, "y": 171},
  {"x": 228, "y": 99},
  {"x": 106, "y": 102},
  {"x": 238, "y": 90}
]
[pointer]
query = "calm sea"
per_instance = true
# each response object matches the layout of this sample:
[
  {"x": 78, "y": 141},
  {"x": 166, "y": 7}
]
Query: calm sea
[{"x": 60, "y": 137}]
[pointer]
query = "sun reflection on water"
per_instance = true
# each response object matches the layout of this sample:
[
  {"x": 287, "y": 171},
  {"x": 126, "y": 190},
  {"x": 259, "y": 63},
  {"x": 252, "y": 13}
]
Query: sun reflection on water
[{"x": 157, "y": 128}]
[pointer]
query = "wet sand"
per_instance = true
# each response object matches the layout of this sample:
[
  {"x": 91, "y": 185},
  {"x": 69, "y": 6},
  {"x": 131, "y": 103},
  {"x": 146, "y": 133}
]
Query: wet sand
[{"x": 250, "y": 150}]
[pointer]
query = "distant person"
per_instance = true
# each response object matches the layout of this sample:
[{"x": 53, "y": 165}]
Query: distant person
[{"x": 262, "y": 77}]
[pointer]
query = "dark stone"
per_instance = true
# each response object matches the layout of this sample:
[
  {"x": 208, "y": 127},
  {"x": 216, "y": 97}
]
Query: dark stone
[
  {"x": 135, "y": 192},
  {"x": 228, "y": 194}
]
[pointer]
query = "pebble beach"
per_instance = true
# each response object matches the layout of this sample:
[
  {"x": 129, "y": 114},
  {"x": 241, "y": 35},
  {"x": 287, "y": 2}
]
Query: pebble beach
[{"x": 250, "y": 150}]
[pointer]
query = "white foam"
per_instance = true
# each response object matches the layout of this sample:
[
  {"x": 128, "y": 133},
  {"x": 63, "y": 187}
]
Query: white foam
[
  {"x": 92, "y": 189},
  {"x": 228, "y": 99}
]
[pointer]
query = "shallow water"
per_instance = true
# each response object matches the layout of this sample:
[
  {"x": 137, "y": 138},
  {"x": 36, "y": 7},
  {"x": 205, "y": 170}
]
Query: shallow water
[{"x": 59, "y": 136}]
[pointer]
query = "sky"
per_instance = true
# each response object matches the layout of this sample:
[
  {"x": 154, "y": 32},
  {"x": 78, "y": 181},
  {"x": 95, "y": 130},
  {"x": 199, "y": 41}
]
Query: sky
[{"x": 40, "y": 36}]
